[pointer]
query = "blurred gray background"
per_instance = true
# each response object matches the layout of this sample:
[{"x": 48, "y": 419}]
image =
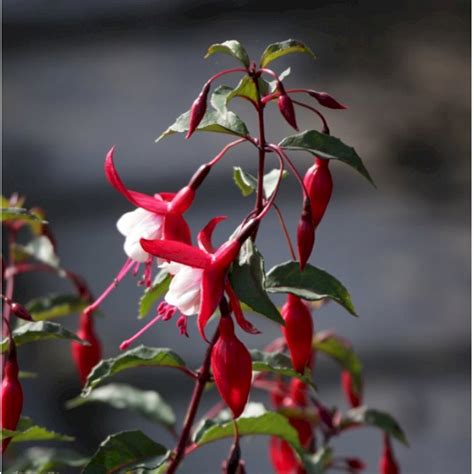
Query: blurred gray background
[{"x": 81, "y": 76}]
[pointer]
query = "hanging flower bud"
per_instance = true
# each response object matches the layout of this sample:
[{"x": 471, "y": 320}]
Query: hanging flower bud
[
  {"x": 283, "y": 458},
  {"x": 326, "y": 100},
  {"x": 388, "y": 464},
  {"x": 354, "y": 399},
  {"x": 355, "y": 464},
  {"x": 12, "y": 395},
  {"x": 285, "y": 104},
  {"x": 305, "y": 234},
  {"x": 318, "y": 184},
  {"x": 298, "y": 331},
  {"x": 20, "y": 312},
  {"x": 86, "y": 357},
  {"x": 198, "y": 109},
  {"x": 232, "y": 367}
]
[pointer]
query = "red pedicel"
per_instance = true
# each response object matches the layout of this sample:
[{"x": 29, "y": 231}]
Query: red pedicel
[{"x": 231, "y": 365}]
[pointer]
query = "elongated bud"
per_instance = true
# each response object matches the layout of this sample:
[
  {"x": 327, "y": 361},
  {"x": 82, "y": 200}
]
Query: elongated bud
[
  {"x": 198, "y": 109},
  {"x": 12, "y": 396},
  {"x": 318, "y": 184},
  {"x": 285, "y": 104},
  {"x": 326, "y": 100},
  {"x": 86, "y": 357},
  {"x": 305, "y": 234},
  {"x": 232, "y": 367},
  {"x": 298, "y": 331},
  {"x": 20, "y": 312},
  {"x": 283, "y": 458},
  {"x": 354, "y": 399},
  {"x": 388, "y": 464}
]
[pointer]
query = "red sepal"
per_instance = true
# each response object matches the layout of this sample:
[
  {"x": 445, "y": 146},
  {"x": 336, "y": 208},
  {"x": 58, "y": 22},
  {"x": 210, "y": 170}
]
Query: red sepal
[
  {"x": 245, "y": 324},
  {"x": 354, "y": 399}
]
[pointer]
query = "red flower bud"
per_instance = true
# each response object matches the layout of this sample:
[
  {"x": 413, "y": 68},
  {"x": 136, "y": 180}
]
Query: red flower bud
[
  {"x": 232, "y": 367},
  {"x": 21, "y": 312},
  {"x": 283, "y": 458},
  {"x": 285, "y": 104},
  {"x": 355, "y": 464},
  {"x": 318, "y": 184},
  {"x": 198, "y": 109},
  {"x": 298, "y": 392},
  {"x": 353, "y": 398},
  {"x": 326, "y": 100},
  {"x": 12, "y": 397},
  {"x": 86, "y": 357},
  {"x": 305, "y": 235},
  {"x": 298, "y": 331},
  {"x": 388, "y": 464}
]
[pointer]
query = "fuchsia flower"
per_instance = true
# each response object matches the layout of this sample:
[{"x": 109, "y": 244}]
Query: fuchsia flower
[{"x": 213, "y": 263}]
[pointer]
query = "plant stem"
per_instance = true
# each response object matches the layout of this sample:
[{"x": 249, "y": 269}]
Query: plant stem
[{"x": 203, "y": 377}]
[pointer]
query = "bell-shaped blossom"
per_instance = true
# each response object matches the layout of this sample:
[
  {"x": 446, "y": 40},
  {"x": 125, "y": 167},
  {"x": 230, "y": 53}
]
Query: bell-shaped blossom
[
  {"x": 184, "y": 291},
  {"x": 214, "y": 263}
]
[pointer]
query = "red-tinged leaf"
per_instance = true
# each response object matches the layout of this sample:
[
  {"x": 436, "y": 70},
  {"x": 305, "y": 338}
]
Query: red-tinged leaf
[
  {"x": 177, "y": 252},
  {"x": 205, "y": 235},
  {"x": 176, "y": 228},
  {"x": 212, "y": 289},
  {"x": 138, "y": 199},
  {"x": 246, "y": 325}
]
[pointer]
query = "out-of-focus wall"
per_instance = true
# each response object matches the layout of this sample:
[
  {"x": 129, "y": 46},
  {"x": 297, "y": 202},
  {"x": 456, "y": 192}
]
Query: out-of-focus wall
[{"x": 81, "y": 76}]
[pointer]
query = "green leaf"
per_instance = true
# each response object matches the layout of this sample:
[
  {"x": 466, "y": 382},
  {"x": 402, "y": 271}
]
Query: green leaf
[
  {"x": 140, "y": 356},
  {"x": 232, "y": 47},
  {"x": 281, "y": 77},
  {"x": 247, "y": 183},
  {"x": 150, "y": 296},
  {"x": 46, "y": 460},
  {"x": 55, "y": 306},
  {"x": 19, "y": 214},
  {"x": 40, "y": 330},
  {"x": 39, "y": 248},
  {"x": 377, "y": 419},
  {"x": 147, "y": 403},
  {"x": 28, "y": 431},
  {"x": 310, "y": 284},
  {"x": 247, "y": 89},
  {"x": 277, "y": 50},
  {"x": 326, "y": 146},
  {"x": 244, "y": 181},
  {"x": 247, "y": 277},
  {"x": 343, "y": 353},
  {"x": 124, "y": 452},
  {"x": 255, "y": 420},
  {"x": 277, "y": 363}
]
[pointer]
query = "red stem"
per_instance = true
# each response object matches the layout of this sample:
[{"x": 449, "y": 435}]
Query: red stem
[
  {"x": 204, "y": 374},
  {"x": 285, "y": 231}
]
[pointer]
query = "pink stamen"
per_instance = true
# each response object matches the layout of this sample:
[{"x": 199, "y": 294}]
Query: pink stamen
[
  {"x": 166, "y": 311},
  {"x": 146, "y": 280},
  {"x": 182, "y": 325},
  {"x": 126, "y": 344},
  {"x": 121, "y": 274},
  {"x": 137, "y": 267}
]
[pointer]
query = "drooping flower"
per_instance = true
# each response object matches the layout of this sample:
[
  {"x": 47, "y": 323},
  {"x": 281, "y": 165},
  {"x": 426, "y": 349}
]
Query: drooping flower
[
  {"x": 12, "y": 395},
  {"x": 86, "y": 357},
  {"x": 231, "y": 365},
  {"x": 214, "y": 263},
  {"x": 298, "y": 331}
]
